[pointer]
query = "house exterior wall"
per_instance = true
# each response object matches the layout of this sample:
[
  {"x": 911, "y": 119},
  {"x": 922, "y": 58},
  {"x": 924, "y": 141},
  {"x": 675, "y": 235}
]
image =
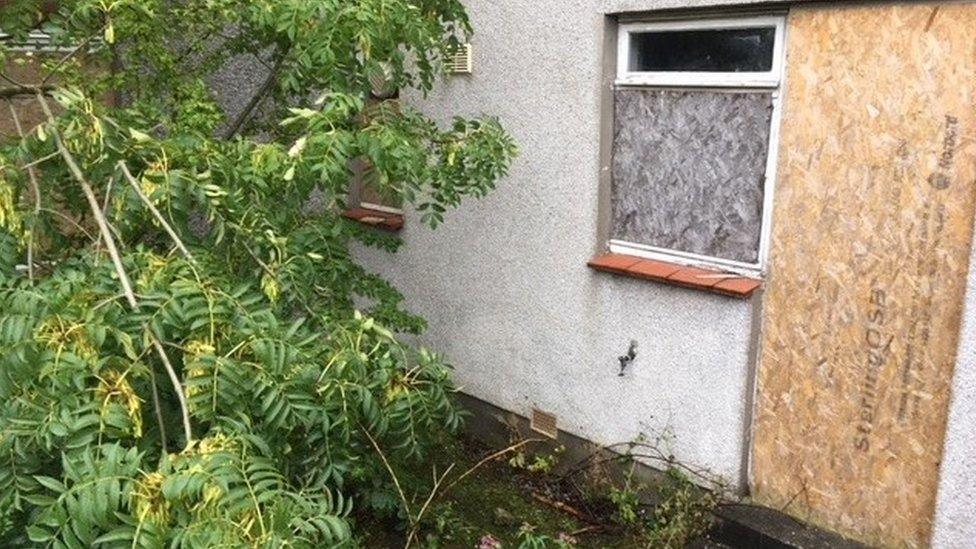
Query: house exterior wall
[
  {"x": 955, "y": 512},
  {"x": 504, "y": 282},
  {"x": 511, "y": 303}
]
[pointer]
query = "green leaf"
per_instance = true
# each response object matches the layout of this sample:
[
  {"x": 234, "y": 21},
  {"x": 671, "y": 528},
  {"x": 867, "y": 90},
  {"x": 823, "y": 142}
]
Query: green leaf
[
  {"x": 38, "y": 534},
  {"x": 139, "y": 136},
  {"x": 50, "y": 483},
  {"x": 124, "y": 534}
]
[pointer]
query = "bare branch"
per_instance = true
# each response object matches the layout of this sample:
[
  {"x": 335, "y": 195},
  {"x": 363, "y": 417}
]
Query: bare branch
[
  {"x": 69, "y": 55},
  {"x": 264, "y": 266},
  {"x": 560, "y": 506},
  {"x": 415, "y": 521},
  {"x": 158, "y": 409},
  {"x": 117, "y": 261},
  {"x": 175, "y": 380},
  {"x": 156, "y": 213},
  {"x": 35, "y": 187},
  {"x": 492, "y": 457},
  {"x": 262, "y": 92},
  {"x": 420, "y": 515},
  {"x": 105, "y": 201},
  {"x": 93, "y": 204},
  {"x": 71, "y": 222},
  {"x": 15, "y": 83},
  {"x": 18, "y": 90},
  {"x": 389, "y": 469},
  {"x": 40, "y": 160}
]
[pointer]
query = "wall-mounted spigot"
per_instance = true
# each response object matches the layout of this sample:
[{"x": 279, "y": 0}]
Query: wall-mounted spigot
[{"x": 626, "y": 359}]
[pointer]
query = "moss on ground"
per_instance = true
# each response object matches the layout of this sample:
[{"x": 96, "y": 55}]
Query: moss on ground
[{"x": 496, "y": 500}]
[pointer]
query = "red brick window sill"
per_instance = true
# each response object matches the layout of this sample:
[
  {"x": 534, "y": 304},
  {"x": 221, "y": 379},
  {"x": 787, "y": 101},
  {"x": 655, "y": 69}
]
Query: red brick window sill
[
  {"x": 730, "y": 284},
  {"x": 374, "y": 218}
]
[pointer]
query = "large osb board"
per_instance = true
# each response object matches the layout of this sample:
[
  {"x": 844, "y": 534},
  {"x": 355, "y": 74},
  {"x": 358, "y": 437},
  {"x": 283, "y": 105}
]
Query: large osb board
[
  {"x": 871, "y": 235},
  {"x": 689, "y": 170}
]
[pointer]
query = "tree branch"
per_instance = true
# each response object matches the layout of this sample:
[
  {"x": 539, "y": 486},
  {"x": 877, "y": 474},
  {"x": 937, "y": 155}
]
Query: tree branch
[
  {"x": 69, "y": 55},
  {"x": 158, "y": 410},
  {"x": 105, "y": 201},
  {"x": 19, "y": 90},
  {"x": 262, "y": 92},
  {"x": 93, "y": 204},
  {"x": 38, "y": 161},
  {"x": 492, "y": 457},
  {"x": 117, "y": 261},
  {"x": 71, "y": 222},
  {"x": 420, "y": 514},
  {"x": 35, "y": 187},
  {"x": 10, "y": 79},
  {"x": 389, "y": 469},
  {"x": 156, "y": 213}
]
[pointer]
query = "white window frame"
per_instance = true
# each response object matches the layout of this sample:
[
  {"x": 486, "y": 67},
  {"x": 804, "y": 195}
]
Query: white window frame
[
  {"x": 716, "y": 81},
  {"x": 767, "y": 79},
  {"x": 380, "y": 208}
]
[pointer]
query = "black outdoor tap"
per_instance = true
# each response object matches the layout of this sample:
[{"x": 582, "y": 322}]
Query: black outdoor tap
[{"x": 626, "y": 359}]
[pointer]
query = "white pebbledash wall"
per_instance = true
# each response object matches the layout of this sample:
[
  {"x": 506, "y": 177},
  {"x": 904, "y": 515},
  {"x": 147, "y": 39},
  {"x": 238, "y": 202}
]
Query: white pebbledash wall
[
  {"x": 504, "y": 282},
  {"x": 510, "y": 300},
  {"x": 955, "y": 514}
]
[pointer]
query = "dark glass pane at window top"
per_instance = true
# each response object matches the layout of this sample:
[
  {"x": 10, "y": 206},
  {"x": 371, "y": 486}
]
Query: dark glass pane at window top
[{"x": 719, "y": 50}]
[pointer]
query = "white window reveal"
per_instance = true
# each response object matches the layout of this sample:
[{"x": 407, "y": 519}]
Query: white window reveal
[
  {"x": 696, "y": 111},
  {"x": 369, "y": 193},
  {"x": 720, "y": 52}
]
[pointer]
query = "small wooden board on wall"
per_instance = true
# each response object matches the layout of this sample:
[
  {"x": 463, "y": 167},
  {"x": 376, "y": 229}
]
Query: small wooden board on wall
[{"x": 872, "y": 229}]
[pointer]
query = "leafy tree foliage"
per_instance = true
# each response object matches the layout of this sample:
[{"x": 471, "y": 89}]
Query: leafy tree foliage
[{"x": 183, "y": 360}]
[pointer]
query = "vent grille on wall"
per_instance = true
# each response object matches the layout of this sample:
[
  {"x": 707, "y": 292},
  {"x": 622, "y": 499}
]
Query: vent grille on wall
[
  {"x": 544, "y": 423},
  {"x": 461, "y": 60}
]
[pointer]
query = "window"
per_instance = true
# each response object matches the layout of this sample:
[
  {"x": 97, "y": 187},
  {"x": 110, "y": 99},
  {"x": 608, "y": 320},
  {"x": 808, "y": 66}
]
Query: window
[
  {"x": 368, "y": 202},
  {"x": 368, "y": 193},
  {"x": 696, "y": 108},
  {"x": 365, "y": 190},
  {"x": 720, "y": 52}
]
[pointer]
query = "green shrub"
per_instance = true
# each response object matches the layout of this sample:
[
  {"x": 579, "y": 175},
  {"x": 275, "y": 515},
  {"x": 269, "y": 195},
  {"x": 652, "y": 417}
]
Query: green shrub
[
  {"x": 182, "y": 360},
  {"x": 682, "y": 514}
]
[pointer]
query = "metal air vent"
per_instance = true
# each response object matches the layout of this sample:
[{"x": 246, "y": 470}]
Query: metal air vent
[
  {"x": 460, "y": 60},
  {"x": 544, "y": 423}
]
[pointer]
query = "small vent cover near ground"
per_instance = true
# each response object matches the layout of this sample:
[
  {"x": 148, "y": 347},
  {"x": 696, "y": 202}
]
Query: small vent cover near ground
[
  {"x": 460, "y": 61},
  {"x": 544, "y": 423}
]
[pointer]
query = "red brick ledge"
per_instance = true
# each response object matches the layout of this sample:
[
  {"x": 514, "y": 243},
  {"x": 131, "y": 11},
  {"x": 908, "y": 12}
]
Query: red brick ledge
[
  {"x": 719, "y": 282},
  {"x": 375, "y": 218}
]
